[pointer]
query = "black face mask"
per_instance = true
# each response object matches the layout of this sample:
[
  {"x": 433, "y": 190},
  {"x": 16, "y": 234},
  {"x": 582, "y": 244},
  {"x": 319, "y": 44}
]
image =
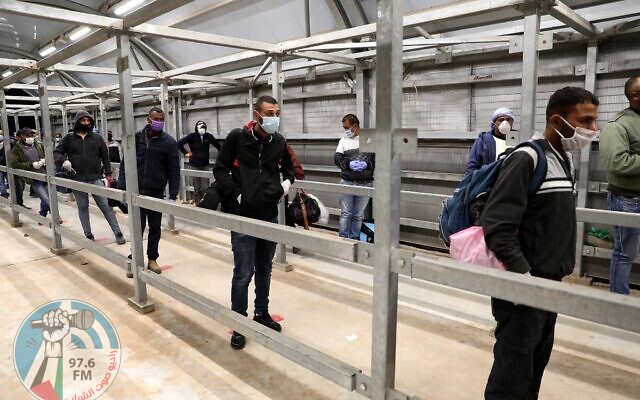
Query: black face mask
[{"x": 84, "y": 128}]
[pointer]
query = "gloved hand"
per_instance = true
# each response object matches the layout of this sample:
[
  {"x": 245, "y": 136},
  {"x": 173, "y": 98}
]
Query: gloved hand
[
  {"x": 37, "y": 164},
  {"x": 43, "y": 162},
  {"x": 189, "y": 155},
  {"x": 67, "y": 166},
  {"x": 357, "y": 165},
  {"x": 109, "y": 180},
  {"x": 239, "y": 197},
  {"x": 286, "y": 185}
]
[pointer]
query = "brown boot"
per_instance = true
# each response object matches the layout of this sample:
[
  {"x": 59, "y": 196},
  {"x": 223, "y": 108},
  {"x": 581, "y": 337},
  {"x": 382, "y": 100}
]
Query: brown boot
[{"x": 153, "y": 266}]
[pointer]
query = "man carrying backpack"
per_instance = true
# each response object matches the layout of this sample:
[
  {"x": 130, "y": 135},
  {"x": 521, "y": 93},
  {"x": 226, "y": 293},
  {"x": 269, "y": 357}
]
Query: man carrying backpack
[
  {"x": 535, "y": 234},
  {"x": 490, "y": 144}
]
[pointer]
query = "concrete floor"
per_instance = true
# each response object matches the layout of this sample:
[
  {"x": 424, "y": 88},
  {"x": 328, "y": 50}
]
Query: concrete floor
[{"x": 444, "y": 345}]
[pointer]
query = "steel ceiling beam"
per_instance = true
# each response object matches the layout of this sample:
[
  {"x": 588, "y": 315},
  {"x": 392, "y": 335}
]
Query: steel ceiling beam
[
  {"x": 65, "y": 4},
  {"x": 572, "y": 19},
  {"x": 334, "y": 58},
  {"x": 58, "y": 14}
]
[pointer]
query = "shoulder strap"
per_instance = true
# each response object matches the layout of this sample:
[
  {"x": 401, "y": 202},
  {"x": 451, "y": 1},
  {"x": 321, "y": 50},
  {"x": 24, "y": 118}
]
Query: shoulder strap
[
  {"x": 303, "y": 207},
  {"x": 540, "y": 168}
]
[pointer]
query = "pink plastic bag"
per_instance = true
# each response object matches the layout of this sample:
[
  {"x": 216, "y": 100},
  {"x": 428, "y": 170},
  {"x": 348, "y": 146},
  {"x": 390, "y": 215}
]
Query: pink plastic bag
[{"x": 469, "y": 246}]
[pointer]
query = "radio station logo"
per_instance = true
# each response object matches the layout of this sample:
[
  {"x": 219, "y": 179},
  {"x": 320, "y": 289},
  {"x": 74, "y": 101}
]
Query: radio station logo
[{"x": 67, "y": 350}]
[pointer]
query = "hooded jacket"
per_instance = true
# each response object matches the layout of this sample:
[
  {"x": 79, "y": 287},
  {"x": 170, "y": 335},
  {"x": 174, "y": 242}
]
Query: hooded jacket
[
  {"x": 199, "y": 146},
  {"x": 88, "y": 155},
  {"x": 250, "y": 165},
  {"x": 158, "y": 164}
]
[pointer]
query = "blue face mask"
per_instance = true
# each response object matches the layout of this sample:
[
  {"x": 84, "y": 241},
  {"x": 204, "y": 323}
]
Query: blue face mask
[
  {"x": 270, "y": 124},
  {"x": 348, "y": 133}
]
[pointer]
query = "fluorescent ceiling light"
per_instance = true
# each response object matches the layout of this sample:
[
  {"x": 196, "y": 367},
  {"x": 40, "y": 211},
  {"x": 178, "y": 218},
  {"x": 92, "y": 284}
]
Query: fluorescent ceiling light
[
  {"x": 127, "y": 6},
  {"x": 78, "y": 33},
  {"x": 46, "y": 51},
  {"x": 7, "y": 74}
]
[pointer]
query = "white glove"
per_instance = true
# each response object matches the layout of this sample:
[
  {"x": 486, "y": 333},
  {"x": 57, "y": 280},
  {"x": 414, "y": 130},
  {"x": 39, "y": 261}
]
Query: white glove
[
  {"x": 36, "y": 165},
  {"x": 286, "y": 185},
  {"x": 239, "y": 197},
  {"x": 43, "y": 162},
  {"x": 67, "y": 166}
]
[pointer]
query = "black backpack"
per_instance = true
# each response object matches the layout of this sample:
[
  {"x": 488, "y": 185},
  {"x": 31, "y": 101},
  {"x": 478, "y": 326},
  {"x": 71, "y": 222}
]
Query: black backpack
[{"x": 304, "y": 210}]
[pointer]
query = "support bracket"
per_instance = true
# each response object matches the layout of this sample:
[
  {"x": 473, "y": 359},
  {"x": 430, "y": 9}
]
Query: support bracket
[
  {"x": 405, "y": 140},
  {"x": 545, "y": 42}
]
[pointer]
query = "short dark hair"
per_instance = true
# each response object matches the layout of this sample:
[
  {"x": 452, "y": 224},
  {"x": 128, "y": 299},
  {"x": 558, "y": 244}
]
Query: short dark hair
[
  {"x": 564, "y": 99},
  {"x": 627, "y": 86},
  {"x": 156, "y": 110},
  {"x": 264, "y": 99},
  {"x": 352, "y": 119}
]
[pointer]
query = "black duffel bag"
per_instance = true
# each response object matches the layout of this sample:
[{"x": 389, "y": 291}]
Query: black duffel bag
[
  {"x": 304, "y": 210},
  {"x": 212, "y": 198}
]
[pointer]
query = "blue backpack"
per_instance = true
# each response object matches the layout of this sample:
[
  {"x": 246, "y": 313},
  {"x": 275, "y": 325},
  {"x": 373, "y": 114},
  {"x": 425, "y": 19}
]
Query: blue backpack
[{"x": 463, "y": 209}]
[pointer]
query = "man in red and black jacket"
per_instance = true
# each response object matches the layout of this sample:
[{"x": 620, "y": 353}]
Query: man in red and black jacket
[{"x": 248, "y": 174}]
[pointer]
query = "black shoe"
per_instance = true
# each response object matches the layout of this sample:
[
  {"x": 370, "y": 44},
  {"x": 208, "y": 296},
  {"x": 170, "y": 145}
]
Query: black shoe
[
  {"x": 120, "y": 239},
  {"x": 6, "y": 195},
  {"x": 90, "y": 236},
  {"x": 266, "y": 320},
  {"x": 238, "y": 341},
  {"x": 22, "y": 205}
]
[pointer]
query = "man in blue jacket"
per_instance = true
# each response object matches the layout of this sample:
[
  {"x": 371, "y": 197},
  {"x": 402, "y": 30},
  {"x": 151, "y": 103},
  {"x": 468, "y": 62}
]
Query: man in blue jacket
[
  {"x": 490, "y": 144},
  {"x": 158, "y": 163},
  {"x": 199, "y": 143}
]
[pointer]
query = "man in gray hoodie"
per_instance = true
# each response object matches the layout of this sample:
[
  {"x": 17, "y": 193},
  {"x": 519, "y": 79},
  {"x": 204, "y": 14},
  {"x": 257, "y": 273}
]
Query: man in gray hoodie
[{"x": 83, "y": 155}]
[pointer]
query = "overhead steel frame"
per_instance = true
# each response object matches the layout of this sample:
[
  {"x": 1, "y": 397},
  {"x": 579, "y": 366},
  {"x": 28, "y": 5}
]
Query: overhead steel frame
[{"x": 388, "y": 259}]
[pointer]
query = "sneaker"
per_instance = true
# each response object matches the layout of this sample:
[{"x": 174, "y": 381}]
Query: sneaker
[
  {"x": 266, "y": 320},
  {"x": 90, "y": 236},
  {"x": 120, "y": 239},
  {"x": 238, "y": 341},
  {"x": 153, "y": 266}
]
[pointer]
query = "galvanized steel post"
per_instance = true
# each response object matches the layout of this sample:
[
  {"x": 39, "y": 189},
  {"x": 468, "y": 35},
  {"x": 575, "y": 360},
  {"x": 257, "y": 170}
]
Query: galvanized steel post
[
  {"x": 529, "y": 73},
  {"x": 585, "y": 155},
  {"x": 56, "y": 245},
  {"x": 387, "y": 196},
  {"x": 15, "y": 221},
  {"x": 103, "y": 118},
  {"x": 16, "y": 122},
  {"x": 36, "y": 118},
  {"x": 65, "y": 121},
  {"x": 139, "y": 301},
  {"x": 164, "y": 104},
  {"x": 276, "y": 89}
]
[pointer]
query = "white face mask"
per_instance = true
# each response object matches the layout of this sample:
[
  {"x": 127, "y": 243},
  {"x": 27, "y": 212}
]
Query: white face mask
[
  {"x": 504, "y": 127},
  {"x": 202, "y": 131},
  {"x": 270, "y": 124},
  {"x": 581, "y": 138},
  {"x": 348, "y": 133},
  {"x": 30, "y": 141}
]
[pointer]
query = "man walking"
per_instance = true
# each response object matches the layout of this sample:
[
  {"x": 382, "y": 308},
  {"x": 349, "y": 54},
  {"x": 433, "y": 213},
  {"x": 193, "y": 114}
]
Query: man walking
[
  {"x": 620, "y": 151},
  {"x": 248, "y": 173},
  {"x": 84, "y": 155},
  {"x": 535, "y": 234},
  {"x": 158, "y": 163},
  {"x": 199, "y": 143}
]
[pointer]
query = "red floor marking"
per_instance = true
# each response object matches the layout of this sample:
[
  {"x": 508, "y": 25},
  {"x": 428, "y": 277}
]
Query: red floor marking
[
  {"x": 166, "y": 267},
  {"x": 277, "y": 317},
  {"x": 101, "y": 239}
]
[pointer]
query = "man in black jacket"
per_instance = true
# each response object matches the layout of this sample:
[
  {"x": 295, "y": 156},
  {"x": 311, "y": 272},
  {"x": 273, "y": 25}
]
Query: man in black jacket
[
  {"x": 84, "y": 155},
  {"x": 535, "y": 235},
  {"x": 248, "y": 173},
  {"x": 198, "y": 155},
  {"x": 158, "y": 163}
]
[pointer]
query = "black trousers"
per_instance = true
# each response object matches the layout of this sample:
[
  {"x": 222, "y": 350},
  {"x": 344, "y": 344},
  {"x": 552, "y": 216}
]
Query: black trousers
[
  {"x": 154, "y": 219},
  {"x": 524, "y": 340},
  {"x": 19, "y": 189}
]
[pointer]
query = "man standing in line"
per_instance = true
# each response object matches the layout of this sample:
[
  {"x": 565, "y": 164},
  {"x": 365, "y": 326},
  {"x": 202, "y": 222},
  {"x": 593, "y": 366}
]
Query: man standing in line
[
  {"x": 248, "y": 173},
  {"x": 198, "y": 155},
  {"x": 620, "y": 151},
  {"x": 29, "y": 155},
  {"x": 158, "y": 163},
  {"x": 513, "y": 220},
  {"x": 490, "y": 144},
  {"x": 84, "y": 155}
]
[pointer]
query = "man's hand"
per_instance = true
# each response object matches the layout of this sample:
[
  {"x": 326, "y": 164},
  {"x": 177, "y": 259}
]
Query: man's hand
[
  {"x": 57, "y": 323},
  {"x": 357, "y": 165},
  {"x": 239, "y": 198},
  {"x": 189, "y": 155},
  {"x": 109, "y": 180},
  {"x": 37, "y": 164},
  {"x": 286, "y": 185},
  {"x": 67, "y": 167}
]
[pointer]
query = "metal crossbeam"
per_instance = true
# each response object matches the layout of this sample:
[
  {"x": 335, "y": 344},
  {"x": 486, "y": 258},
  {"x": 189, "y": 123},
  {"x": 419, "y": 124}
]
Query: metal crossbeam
[
  {"x": 58, "y": 14},
  {"x": 333, "y": 58},
  {"x": 565, "y": 14}
]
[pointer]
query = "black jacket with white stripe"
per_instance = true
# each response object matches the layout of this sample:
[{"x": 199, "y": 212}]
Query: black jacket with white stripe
[{"x": 535, "y": 234}]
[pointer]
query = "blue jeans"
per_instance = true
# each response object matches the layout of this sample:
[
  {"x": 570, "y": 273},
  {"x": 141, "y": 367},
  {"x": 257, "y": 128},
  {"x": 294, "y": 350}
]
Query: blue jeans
[
  {"x": 626, "y": 244},
  {"x": 352, "y": 211},
  {"x": 251, "y": 256},
  {"x": 3, "y": 185},
  {"x": 40, "y": 189},
  {"x": 82, "y": 200}
]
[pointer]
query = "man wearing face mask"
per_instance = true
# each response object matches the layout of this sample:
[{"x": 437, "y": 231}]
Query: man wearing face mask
[
  {"x": 620, "y": 151},
  {"x": 490, "y": 144},
  {"x": 356, "y": 168},
  {"x": 198, "y": 155},
  {"x": 535, "y": 234},
  {"x": 248, "y": 171},
  {"x": 29, "y": 155},
  {"x": 84, "y": 155},
  {"x": 158, "y": 164}
]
